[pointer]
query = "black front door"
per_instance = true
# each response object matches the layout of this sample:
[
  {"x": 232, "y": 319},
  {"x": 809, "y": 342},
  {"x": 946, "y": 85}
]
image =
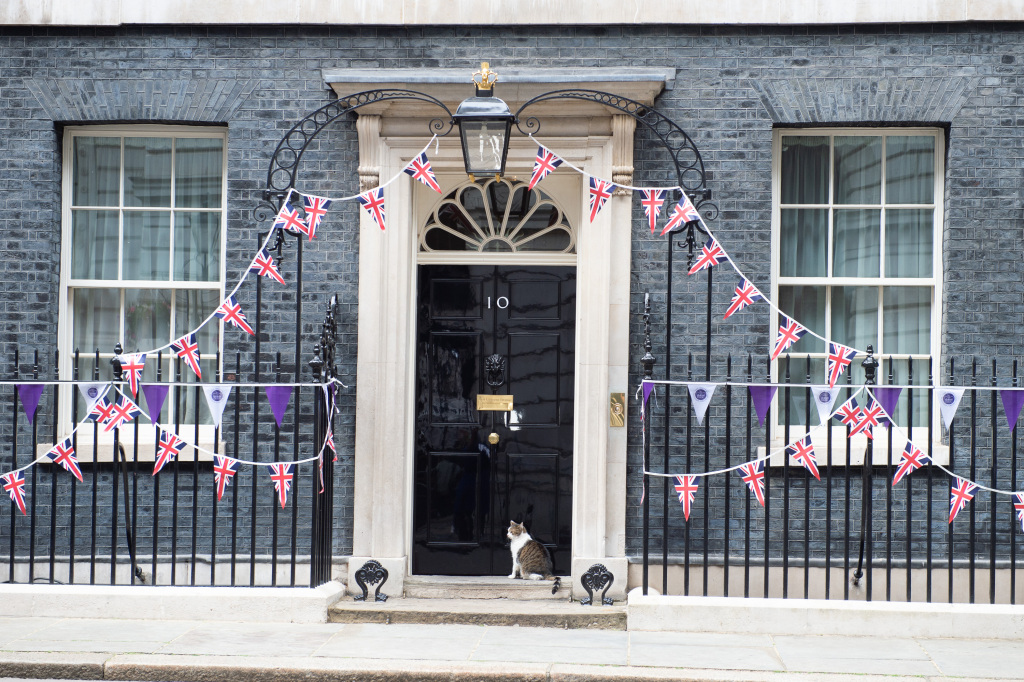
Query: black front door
[{"x": 506, "y": 330}]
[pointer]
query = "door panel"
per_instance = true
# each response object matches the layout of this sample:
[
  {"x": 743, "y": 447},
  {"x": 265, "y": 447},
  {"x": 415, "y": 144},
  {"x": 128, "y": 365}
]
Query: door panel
[{"x": 465, "y": 488}]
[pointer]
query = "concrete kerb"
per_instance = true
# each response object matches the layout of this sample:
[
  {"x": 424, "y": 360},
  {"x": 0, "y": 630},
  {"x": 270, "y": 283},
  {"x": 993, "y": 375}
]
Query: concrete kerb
[
  {"x": 249, "y": 604},
  {"x": 823, "y": 617}
]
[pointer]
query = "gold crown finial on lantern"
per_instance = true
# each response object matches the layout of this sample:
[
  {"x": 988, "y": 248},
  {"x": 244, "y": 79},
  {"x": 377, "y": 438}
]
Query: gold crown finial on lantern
[{"x": 486, "y": 77}]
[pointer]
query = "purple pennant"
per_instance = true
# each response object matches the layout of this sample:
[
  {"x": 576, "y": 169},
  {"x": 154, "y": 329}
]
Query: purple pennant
[
  {"x": 762, "y": 397},
  {"x": 647, "y": 388},
  {"x": 1013, "y": 400},
  {"x": 155, "y": 394},
  {"x": 278, "y": 397},
  {"x": 887, "y": 396},
  {"x": 29, "y": 395}
]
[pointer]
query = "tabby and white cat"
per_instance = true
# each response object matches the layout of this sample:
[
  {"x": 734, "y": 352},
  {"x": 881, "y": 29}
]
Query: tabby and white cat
[{"x": 530, "y": 559}]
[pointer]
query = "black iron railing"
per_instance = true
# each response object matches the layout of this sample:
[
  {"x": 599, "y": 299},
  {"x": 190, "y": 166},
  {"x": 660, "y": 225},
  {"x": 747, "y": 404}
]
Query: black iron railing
[{"x": 853, "y": 534}]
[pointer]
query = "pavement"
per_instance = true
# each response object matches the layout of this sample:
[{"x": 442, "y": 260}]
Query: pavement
[{"x": 143, "y": 649}]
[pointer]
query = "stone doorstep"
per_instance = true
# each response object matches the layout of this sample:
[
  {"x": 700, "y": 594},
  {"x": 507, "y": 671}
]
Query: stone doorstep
[
  {"x": 482, "y": 587},
  {"x": 561, "y": 614}
]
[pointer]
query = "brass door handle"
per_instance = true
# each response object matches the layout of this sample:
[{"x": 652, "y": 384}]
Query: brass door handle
[{"x": 493, "y": 438}]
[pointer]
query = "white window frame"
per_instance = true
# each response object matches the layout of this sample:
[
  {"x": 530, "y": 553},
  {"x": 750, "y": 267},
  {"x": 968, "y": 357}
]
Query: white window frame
[
  {"x": 837, "y": 433},
  {"x": 147, "y": 432}
]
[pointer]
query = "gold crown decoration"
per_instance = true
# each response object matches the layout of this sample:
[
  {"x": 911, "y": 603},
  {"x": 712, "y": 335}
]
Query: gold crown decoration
[{"x": 486, "y": 78}]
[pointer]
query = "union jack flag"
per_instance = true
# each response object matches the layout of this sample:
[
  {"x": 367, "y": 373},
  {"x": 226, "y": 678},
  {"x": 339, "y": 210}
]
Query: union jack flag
[
  {"x": 373, "y": 202},
  {"x": 839, "y": 358},
  {"x": 710, "y": 254},
  {"x": 320, "y": 470},
  {"x": 848, "y": 413},
  {"x": 683, "y": 213},
  {"x": 543, "y": 165},
  {"x": 789, "y": 333},
  {"x": 101, "y": 412},
  {"x": 419, "y": 168},
  {"x": 869, "y": 417},
  {"x": 63, "y": 453},
  {"x": 911, "y": 460},
  {"x": 169, "y": 448},
  {"x": 288, "y": 218},
  {"x": 132, "y": 366},
  {"x": 263, "y": 265},
  {"x": 652, "y": 201},
  {"x": 14, "y": 484},
  {"x": 1018, "y": 505},
  {"x": 281, "y": 475},
  {"x": 187, "y": 348},
  {"x": 745, "y": 294},
  {"x": 686, "y": 487},
  {"x": 960, "y": 495},
  {"x": 753, "y": 476},
  {"x": 803, "y": 452},
  {"x": 330, "y": 444},
  {"x": 123, "y": 412},
  {"x": 224, "y": 469},
  {"x": 231, "y": 311},
  {"x": 316, "y": 208},
  {"x": 600, "y": 193}
]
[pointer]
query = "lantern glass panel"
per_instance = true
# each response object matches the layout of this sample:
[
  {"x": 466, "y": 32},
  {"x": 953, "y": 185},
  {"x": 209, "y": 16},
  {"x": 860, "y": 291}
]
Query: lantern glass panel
[{"x": 483, "y": 143}]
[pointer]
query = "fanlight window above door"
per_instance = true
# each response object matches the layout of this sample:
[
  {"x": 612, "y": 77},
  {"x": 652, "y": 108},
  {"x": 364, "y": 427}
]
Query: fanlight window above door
[{"x": 497, "y": 216}]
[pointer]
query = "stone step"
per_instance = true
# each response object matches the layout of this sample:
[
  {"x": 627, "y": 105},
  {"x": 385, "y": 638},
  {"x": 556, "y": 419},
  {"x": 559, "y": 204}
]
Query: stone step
[
  {"x": 561, "y": 614},
  {"x": 483, "y": 587}
]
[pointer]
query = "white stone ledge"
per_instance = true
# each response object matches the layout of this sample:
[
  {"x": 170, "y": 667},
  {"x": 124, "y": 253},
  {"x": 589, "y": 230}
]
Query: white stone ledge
[
  {"x": 824, "y": 617},
  {"x": 502, "y": 12}
]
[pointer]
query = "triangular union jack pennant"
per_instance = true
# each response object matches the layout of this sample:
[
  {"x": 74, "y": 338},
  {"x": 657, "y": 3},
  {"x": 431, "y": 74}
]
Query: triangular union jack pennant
[
  {"x": 281, "y": 475},
  {"x": 101, "y": 412},
  {"x": 124, "y": 411},
  {"x": 1018, "y": 506},
  {"x": 63, "y": 453},
  {"x": 187, "y": 348},
  {"x": 753, "y": 476},
  {"x": 264, "y": 266},
  {"x": 131, "y": 367},
  {"x": 652, "y": 201},
  {"x": 600, "y": 193},
  {"x": 960, "y": 495},
  {"x": 803, "y": 452},
  {"x": 869, "y": 417},
  {"x": 231, "y": 311},
  {"x": 911, "y": 460},
  {"x": 372, "y": 202},
  {"x": 419, "y": 168},
  {"x": 224, "y": 469},
  {"x": 848, "y": 413},
  {"x": 543, "y": 165},
  {"x": 169, "y": 449},
  {"x": 839, "y": 358},
  {"x": 686, "y": 488},
  {"x": 710, "y": 254},
  {"x": 14, "y": 484},
  {"x": 790, "y": 332},
  {"x": 745, "y": 294},
  {"x": 316, "y": 208},
  {"x": 289, "y": 218},
  {"x": 683, "y": 213}
]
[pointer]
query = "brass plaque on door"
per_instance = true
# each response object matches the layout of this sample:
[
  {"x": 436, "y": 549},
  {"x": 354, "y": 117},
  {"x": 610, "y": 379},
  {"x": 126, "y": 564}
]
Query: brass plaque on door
[{"x": 493, "y": 403}]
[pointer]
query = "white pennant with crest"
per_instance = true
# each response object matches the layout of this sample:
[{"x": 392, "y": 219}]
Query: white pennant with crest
[
  {"x": 949, "y": 400},
  {"x": 217, "y": 398},
  {"x": 93, "y": 393},
  {"x": 824, "y": 399},
  {"x": 701, "y": 394}
]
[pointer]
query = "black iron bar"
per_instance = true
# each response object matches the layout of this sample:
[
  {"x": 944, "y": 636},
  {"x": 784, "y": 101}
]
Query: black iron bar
[
  {"x": 298, "y": 395},
  {"x": 14, "y": 458},
  {"x": 870, "y": 365},
  {"x": 973, "y": 474},
  {"x": 707, "y": 431},
  {"x": 214, "y": 506},
  {"x": 197, "y": 399},
  {"x": 689, "y": 467},
  {"x": 746, "y": 515},
  {"x": 909, "y": 514},
  {"x": 74, "y": 481},
  {"x": 136, "y": 570},
  {"x": 236, "y": 484},
  {"x": 785, "y": 479},
  {"x": 949, "y": 490},
  {"x": 667, "y": 434},
  {"x": 647, "y": 361},
  {"x": 931, "y": 469},
  {"x": 176, "y": 403},
  {"x": 1013, "y": 486},
  {"x": 156, "y": 479},
  {"x": 993, "y": 483},
  {"x": 846, "y": 500},
  {"x": 53, "y": 470},
  {"x": 32, "y": 472},
  {"x": 95, "y": 478},
  {"x": 808, "y": 399},
  {"x": 725, "y": 487},
  {"x": 828, "y": 506},
  {"x": 888, "y": 498},
  {"x": 255, "y": 430},
  {"x": 767, "y": 491},
  {"x": 275, "y": 506}
]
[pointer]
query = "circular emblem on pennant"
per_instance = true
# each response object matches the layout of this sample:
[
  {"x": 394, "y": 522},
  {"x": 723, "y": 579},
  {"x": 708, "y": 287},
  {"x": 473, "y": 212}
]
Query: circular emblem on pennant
[
  {"x": 700, "y": 394},
  {"x": 824, "y": 397},
  {"x": 93, "y": 392},
  {"x": 948, "y": 398},
  {"x": 216, "y": 394}
]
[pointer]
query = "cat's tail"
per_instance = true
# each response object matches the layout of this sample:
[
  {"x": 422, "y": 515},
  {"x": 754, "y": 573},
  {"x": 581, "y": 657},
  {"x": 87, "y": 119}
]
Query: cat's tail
[{"x": 558, "y": 584}]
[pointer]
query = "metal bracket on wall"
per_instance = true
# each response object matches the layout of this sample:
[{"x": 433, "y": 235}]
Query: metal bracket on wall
[
  {"x": 597, "y": 578},
  {"x": 371, "y": 572}
]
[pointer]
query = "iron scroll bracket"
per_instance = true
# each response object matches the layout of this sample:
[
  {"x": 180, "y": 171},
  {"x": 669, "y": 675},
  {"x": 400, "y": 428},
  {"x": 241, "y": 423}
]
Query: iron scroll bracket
[
  {"x": 371, "y": 573},
  {"x": 597, "y": 577}
]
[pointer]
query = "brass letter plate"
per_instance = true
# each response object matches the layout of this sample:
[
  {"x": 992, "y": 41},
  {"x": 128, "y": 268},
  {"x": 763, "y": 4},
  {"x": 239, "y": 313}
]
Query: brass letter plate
[
  {"x": 494, "y": 403},
  {"x": 617, "y": 416}
]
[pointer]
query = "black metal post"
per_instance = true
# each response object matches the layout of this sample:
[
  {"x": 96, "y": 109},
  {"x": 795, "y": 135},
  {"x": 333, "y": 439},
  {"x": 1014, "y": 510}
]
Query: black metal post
[
  {"x": 870, "y": 365},
  {"x": 647, "y": 361}
]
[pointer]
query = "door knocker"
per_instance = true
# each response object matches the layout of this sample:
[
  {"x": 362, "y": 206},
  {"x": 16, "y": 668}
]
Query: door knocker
[{"x": 494, "y": 370}]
